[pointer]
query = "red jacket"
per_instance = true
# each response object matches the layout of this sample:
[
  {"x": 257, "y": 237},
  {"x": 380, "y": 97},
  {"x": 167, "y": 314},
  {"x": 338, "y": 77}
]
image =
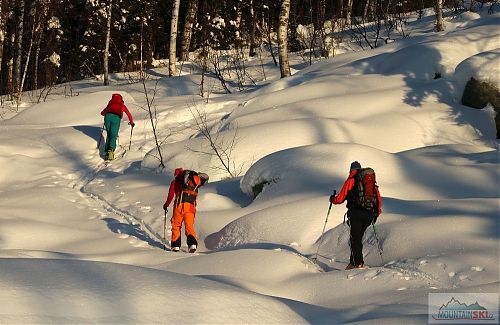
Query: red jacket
[
  {"x": 348, "y": 185},
  {"x": 116, "y": 106},
  {"x": 175, "y": 187}
]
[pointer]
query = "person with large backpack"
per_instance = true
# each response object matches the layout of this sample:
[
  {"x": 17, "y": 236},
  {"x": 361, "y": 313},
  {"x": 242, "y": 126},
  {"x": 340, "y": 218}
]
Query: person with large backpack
[
  {"x": 364, "y": 205},
  {"x": 184, "y": 187},
  {"x": 113, "y": 114}
]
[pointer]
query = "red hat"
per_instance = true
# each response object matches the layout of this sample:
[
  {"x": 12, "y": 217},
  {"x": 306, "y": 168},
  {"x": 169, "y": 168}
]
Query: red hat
[{"x": 117, "y": 98}]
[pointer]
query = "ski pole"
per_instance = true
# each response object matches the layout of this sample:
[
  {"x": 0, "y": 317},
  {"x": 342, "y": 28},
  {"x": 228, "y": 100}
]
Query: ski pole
[
  {"x": 130, "y": 142},
  {"x": 100, "y": 137},
  {"x": 378, "y": 242},
  {"x": 321, "y": 238},
  {"x": 164, "y": 227}
]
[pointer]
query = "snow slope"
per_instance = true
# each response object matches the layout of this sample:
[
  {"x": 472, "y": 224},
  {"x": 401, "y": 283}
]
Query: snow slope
[{"x": 82, "y": 242}]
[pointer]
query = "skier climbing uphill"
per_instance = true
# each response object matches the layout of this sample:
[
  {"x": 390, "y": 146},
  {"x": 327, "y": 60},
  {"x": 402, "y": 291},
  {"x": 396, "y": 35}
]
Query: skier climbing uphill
[
  {"x": 364, "y": 205},
  {"x": 113, "y": 114},
  {"x": 184, "y": 187}
]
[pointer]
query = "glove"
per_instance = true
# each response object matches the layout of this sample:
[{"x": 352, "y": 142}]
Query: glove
[
  {"x": 165, "y": 207},
  {"x": 332, "y": 197},
  {"x": 131, "y": 124}
]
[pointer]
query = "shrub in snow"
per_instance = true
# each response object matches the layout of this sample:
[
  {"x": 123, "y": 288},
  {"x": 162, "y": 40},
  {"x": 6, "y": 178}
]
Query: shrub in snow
[
  {"x": 478, "y": 94},
  {"x": 257, "y": 188}
]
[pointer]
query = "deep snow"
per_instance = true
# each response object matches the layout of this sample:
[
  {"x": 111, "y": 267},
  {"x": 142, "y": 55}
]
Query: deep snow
[{"x": 81, "y": 242}]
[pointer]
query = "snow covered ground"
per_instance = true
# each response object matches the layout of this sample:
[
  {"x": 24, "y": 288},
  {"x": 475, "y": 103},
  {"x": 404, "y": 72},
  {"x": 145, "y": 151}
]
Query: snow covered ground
[{"x": 81, "y": 242}]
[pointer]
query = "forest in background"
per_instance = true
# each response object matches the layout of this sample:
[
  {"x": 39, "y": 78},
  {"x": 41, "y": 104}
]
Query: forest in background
[{"x": 47, "y": 42}]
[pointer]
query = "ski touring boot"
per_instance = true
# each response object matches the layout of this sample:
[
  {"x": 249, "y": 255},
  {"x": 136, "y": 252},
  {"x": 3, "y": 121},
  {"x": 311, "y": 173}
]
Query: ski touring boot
[
  {"x": 110, "y": 155},
  {"x": 192, "y": 248},
  {"x": 350, "y": 266},
  {"x": 175, "y": 249}
]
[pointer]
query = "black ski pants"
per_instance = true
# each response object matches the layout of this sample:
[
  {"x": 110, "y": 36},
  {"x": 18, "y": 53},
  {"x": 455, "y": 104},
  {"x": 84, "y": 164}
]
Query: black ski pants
[{"x": 359, "y": 221}]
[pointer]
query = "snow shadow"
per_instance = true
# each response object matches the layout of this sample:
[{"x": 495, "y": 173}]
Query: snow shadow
[
  {"x": 212, "y": 240},
  {"x": 424, "y": 71},
  {"x": 316, "y": 314},
  {"x": 131, "y": 230},
  {"x": 46, "y": 279},
  {"x": 93, "y": 132},
  {"x": 388, "y": 314},
  {"x": 231, "y": 190},
  {"x": 419, "y": 66}
]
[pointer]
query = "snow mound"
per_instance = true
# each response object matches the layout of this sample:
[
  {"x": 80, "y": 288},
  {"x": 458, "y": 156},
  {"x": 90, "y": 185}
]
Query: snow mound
[
  {"x": 415, "y": 174},
  {"x": 76, "y": 110},
  {"x": 70, "y": 291},
  {"x": 484, "y": 66}
]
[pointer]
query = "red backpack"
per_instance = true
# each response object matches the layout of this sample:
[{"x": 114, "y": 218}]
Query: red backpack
[{"x": 364, "y": 192}]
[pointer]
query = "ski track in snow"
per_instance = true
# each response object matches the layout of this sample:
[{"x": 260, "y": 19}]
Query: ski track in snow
[{"x": 91, "y": 175}]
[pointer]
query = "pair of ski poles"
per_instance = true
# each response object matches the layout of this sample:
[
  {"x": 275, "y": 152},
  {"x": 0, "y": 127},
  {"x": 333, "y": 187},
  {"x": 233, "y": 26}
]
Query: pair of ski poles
[
  {"x": 324, "y": 226},
  {"x": 100, "y": 138}
]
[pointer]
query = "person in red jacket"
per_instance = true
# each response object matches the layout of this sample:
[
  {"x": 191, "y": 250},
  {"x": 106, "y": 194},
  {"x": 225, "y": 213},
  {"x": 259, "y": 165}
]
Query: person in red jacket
[
  {"x": 184, "y": 187},
  {"x": 359, "y": 219},
  {"x": 113, "y": 114}
]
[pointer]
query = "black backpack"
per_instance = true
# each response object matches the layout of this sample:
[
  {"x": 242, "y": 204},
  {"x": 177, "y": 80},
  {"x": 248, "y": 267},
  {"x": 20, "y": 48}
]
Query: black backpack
[
  {"x": 191, "y": 181},
  {"x": 186, "y": 178}
]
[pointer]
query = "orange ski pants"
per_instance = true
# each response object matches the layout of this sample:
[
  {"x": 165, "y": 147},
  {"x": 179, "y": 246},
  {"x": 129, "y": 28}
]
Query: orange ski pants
[{"x": 183, "y": 212}]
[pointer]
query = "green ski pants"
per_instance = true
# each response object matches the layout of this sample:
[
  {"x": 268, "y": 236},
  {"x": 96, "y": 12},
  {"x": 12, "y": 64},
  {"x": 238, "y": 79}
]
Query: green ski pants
[{"x": 112, "y": 124}]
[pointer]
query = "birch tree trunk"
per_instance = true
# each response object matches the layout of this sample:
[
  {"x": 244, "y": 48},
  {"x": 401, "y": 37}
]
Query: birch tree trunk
[
  {"x": 3, "y": 20},
  {"x": 107, "y": 41},
  {"x": 283, "y": 39},
  {"x": 40, "y": 30},
  {"x": 26, "y": 65},
  {"x": 349, "y": 12},
  {"x": 439, "y": 16},
  {"x": 19, "y": 46},
  {"x": 192, "y": 8},
  {"x": 238, "y": 41},
  {"x": 365, "y": 10},
  {"x": 173, "y": 39}
]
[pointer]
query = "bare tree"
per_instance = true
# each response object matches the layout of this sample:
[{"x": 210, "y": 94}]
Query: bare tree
[
  {"x": 19, "y": 45},
  {"x": 268, "y": 34},
  {"x": 28, "y": 57},
  {"x": 365, "y": 10},
  {"x": 221, "y": 145},
  {"x": 490, "y": 10},
  {"x": 439, "y": 16},
  {"x": 10, "y": 66},
  {"x": 192, "y": 7},
  {"x": 173, "y": 39},
  {"x": 38, "y": 14},
  {"x": 107, "y": 41},
  {"x": 341, "y": 8},
  {"x": 3, "y": 20},
  {"x": 472, "y": 5},
  {"x": 349, "y": 12},
  {"x": 151, "y": 107},
  {"x": 283, "y": 39},
  {"x": 253, "y": 29}
]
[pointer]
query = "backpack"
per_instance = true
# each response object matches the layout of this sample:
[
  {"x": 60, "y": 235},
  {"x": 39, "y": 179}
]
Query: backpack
[
  {"x": 364, "y": 192},
  {"x": 190, "y": 181}
]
